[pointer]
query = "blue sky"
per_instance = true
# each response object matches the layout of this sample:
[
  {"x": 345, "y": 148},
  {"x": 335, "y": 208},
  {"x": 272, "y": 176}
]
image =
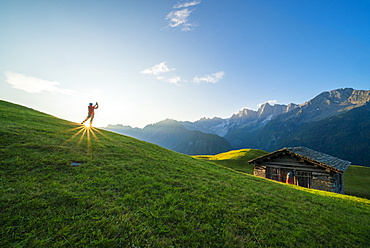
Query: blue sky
[{"x": 145, "y": 61}]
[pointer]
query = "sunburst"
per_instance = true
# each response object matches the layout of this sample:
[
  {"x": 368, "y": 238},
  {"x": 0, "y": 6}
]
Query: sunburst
[{"x": 82, "y": 133}]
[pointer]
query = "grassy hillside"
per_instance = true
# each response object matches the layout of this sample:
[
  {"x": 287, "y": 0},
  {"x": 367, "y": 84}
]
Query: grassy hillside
[
  {"x": 357, "y": 181},
  {"x": 235, "y": 159},
  {"x": 128, "y": 193}
]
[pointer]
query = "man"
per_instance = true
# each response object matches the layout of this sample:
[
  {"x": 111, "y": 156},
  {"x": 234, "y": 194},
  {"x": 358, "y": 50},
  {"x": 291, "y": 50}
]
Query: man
[
  {"x": 289, "y": 178},
  {"x": 91, "y": 113}
]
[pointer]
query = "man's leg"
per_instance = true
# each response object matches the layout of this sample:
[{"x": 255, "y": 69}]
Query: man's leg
[
  {"x": 91, "y": 120},
  {"x": 88, "y": 117}
]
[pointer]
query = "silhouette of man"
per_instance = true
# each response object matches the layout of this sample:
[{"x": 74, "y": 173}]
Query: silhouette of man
[{"x": 91, "y": 113}]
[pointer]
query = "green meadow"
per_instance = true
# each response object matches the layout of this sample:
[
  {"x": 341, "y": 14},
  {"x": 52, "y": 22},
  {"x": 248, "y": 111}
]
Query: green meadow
[
  {"x": 357, "y": 181},
  {"x": 63, "y": 185},
  {"x": 235, "y": 159}
]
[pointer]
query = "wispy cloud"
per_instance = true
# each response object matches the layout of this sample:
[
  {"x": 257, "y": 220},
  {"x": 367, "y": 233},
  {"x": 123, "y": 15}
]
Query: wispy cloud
[
  {"x": 172, "y": 80},
  {"x": 212, "y": 78},
  {"x": 180, "y": 16},
  {"x": 185, "y": 5},
  {"x": 35, "y": 85},
  {"x": 161, "y": 72},
  {"x": 160, "y": 69},
  {"x": 157, "y": 69}
]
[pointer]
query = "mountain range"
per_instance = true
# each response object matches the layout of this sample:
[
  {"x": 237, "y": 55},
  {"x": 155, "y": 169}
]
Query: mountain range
[
  {"x": 173, "y": 135},
  {"x": 335, "y": 122}
]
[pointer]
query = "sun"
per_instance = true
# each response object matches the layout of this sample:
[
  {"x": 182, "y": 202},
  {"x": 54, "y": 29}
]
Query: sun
[{"x": 86, "y": 125}]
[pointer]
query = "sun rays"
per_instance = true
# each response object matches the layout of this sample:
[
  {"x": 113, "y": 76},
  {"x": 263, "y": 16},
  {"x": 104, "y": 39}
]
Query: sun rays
[{"x": 85, "y": 135}]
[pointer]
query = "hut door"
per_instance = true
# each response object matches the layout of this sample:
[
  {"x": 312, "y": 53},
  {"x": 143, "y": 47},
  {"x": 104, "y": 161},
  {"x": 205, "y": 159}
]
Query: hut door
[{"x": 303, "y": 178}]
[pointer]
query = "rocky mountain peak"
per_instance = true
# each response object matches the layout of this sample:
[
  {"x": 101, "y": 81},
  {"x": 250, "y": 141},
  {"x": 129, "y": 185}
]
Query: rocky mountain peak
[
  {"x": 245, "y": 114},
  {"x": 291, "y": 106},
  {"x": 267, "y": 110},
  {"x": 330, "y": 103},
  {"x": 340, "y": 93},
  {"x": 359, "y": 97},
  {"x": 341, "y": 97},
  {"x": 264, "y": 111}
]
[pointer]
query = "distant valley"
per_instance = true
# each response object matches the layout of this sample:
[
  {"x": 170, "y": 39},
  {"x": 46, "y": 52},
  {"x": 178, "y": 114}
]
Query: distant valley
[{"x": 335, "y": 122}]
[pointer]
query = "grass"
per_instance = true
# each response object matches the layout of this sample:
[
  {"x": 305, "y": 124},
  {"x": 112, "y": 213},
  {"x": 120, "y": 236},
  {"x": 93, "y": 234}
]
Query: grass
[
  {"x": 236, "y": 159},
  {"x": 129, "y": 193},
  {"x": 357, "y": 181}
]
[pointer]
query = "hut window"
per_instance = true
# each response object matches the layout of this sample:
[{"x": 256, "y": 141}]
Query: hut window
[
  {"x": 275, "y": 174},
  {"x": 303, "y": 178}
]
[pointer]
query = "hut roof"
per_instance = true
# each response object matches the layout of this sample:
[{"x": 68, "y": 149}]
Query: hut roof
[{"x": 318, "y": 158}]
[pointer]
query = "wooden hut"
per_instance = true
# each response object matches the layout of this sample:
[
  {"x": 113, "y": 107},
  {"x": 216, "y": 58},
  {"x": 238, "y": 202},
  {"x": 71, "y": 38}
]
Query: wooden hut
[{"x": 305, "y": 167}]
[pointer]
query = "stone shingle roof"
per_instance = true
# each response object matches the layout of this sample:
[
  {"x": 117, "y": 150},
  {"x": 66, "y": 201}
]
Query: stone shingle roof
[
  {"x": 316, "y": 157},
  {"x": 320, "y": 157}
]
